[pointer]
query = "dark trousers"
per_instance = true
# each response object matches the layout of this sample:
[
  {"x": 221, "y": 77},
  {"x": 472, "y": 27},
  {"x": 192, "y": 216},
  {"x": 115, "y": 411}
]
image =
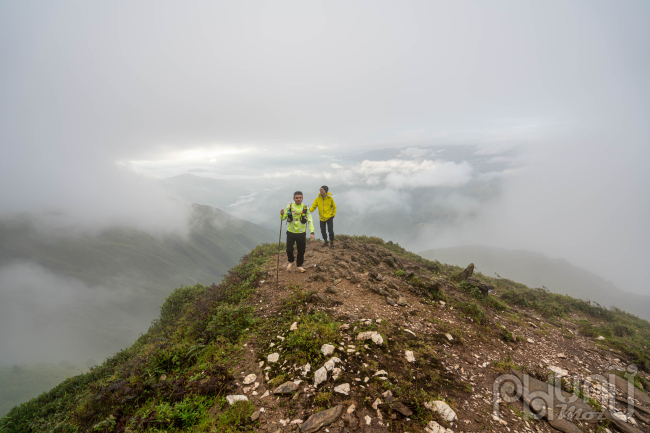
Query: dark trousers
[
  {"x": 301, "y": 240},
  {"x": 330, "y": 227}
]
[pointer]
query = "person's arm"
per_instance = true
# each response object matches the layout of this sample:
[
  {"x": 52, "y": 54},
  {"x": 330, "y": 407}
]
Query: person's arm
[
  {"x": 284, "y": 212},
  {"x": 310, "y": 221},
  {"x": 333, "y": 208},
  {"x": 314, "y": 205}
]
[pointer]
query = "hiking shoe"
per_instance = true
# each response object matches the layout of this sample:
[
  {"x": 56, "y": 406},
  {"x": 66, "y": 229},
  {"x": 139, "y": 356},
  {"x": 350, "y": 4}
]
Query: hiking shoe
[
  {"x": 331, "y": 243},
  {"x": 325, "y": 243},
  {"x": 301, "y": 269},
  {"x": 289, "y": 266}
]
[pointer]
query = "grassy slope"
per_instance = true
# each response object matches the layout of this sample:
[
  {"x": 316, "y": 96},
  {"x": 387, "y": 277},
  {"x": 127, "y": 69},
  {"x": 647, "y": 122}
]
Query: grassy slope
[
  {"x": 537, "y": 270},
  {"x": 172, "y": 377},
  {"x": 148, "y": 268}
]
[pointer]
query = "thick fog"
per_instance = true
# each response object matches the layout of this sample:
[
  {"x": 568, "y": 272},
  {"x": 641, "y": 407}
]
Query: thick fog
[{"x": 512, "y": 124}]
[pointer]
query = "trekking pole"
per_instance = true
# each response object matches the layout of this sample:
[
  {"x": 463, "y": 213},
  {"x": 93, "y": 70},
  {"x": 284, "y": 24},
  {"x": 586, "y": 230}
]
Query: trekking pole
[{"x": 277, "y": 267}]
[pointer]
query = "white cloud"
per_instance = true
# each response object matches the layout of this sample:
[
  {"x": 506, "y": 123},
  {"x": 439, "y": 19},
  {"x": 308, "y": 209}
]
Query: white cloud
[
  {"x": 335, "y": 165},
  {"x": 414, "y": 152},
  {"x": 439, "y": 174},
  {"x": 494, "y": 149}
]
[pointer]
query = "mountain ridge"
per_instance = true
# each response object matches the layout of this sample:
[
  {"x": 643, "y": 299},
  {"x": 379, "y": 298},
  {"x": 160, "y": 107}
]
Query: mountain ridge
[{"x": 370, "y": 337}]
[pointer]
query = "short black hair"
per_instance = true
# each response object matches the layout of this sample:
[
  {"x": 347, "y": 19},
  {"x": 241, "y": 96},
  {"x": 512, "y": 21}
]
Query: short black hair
[{"x": 297, "y": 193}]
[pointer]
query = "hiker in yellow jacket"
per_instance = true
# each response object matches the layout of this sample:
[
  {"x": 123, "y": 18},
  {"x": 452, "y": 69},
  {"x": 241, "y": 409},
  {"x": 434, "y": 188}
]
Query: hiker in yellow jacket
[
  {"x": 326, "y": 213},
  {"x": 298, "y": 217}
]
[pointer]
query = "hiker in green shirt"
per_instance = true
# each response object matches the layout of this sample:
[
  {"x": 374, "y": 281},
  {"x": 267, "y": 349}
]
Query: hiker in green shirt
[{"x": 298, "y": 216}]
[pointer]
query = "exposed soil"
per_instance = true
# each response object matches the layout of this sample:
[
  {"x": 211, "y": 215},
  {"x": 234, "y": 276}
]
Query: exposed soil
[{"x": 460, "y": 370}]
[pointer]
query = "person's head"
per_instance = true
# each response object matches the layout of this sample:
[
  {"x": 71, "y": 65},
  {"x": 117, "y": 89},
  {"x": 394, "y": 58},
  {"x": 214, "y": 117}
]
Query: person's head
[
  {"x": 297, "y": 197},
  {"x": 323, "y": 190}
]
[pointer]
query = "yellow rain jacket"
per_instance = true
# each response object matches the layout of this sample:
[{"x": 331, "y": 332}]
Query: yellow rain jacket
[{"x": 326, "y": 207}]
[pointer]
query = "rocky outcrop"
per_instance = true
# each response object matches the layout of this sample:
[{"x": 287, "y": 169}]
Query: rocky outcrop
[{"x": 321, "y": 419}]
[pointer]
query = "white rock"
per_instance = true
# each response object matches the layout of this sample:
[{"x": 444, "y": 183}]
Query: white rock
[
  {"x": 294, "y": 326},
  {"x": 306, "y": 369},
  {"x": 387, "y": 394},
  {"x": 351, "y": 408},
  {"x": 371, "y": 335},
  {"x": 297, "y": 421},
  {"x": 410, "y": 332},
  {"x": 336, "y": 372},
  {"x": 600, "y": 337},
  {"x": 257, "y": 384},
  {"x": 344, "y": 327},
  {"x": 368, "y": 420},
  {"x": 249, "y": 379},
  {"x": 449, "y": 337},
  {"x": 530, "y": 340},
  {"x": 380, "y": 373},
  {"x": 619, "y": 416},
  {"x": 434, "y": 427},
  {"x": 327, "y": 349},
  {"x": 561, "y": 355},
  {"x": 443, "y": 409},
  {"x": 273, "y": 357},
  {"x": 558, "y": 371},
  {"x": 281, "y": 337},
  {"x": 376, "y": 404},
  {"x": 409, "y": 356},
  {"x": 261, "y": 364},
  {"x": 443, "y": 303},
  {"x": 329, "y": 365},
  {"x": 266, "y": 394},
  {"x": 343, "y": 389},
  {"x": 320, "y": 376},
  {"x": 232, "y": 399}
]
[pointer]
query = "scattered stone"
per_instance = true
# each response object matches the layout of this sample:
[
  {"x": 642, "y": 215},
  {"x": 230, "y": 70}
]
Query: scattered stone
[
  {"x": 561, "y": 355},
  {"x": 321, "y": 419},
  {"x": 409, "y": 356},
  {"x": 558, "y": 371},
  {"x": 337, "y": 281},
  {"x": 329, "y": 365},
  {"x": 336, "y": 372},
  {"x": 322, "y": 298},
  {"x": 305, "y": 369},
  {"x": 294, "y": 326},
  {"x": 443, "y": 303},
  {"x": 400, "y": 407},
  {"x": 232, "y": 399},
  {"x": 368, "y": 420},
  {"x": 255, "y": 415},
  {"x": 387, "y": 394},
  {"x": 390, "y": 301},
  {"x": 442, "y": 408},
  {"x": 343, "y": 389},
  {"x": 530, "y": 340},
  {"x": 600, "y": 337},
  {"x": 261, "y": 364},
  {"x": 351, "y": 408},
  {"x": 402, "y": 302},
  {"x": 344, "y": 327},
  {"x": 371, "y": 335},
  {"x": 320, "y": 376},
  {"x": 266, "y": 394},
  {"x": 332, "y": 289},
  {"x": 466, "y": 273},
  {"x": 249, "y": 379},
  {"x": 327, "y": 349},
  {"x": 410, "y": 332},
  {"x": 286, "y": 388},
  {"x": 434, "y": 427},
  {"x": 273, "y": 357},
  {"x": 449, "y": 337},
  {"x": 376, "y": 404}
]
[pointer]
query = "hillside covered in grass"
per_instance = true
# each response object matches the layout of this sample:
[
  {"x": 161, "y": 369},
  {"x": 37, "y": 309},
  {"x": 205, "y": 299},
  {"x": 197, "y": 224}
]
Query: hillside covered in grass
[{"x": 371, "y": 337}]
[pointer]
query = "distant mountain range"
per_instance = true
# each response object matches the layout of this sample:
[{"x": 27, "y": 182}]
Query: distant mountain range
[
  {"x": 537, "y": 270},
  {"x": 78, "y": 297}
]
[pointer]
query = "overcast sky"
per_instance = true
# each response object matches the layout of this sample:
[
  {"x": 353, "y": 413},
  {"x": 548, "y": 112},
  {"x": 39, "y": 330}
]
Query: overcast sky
[{"x": 98, "y": 98}]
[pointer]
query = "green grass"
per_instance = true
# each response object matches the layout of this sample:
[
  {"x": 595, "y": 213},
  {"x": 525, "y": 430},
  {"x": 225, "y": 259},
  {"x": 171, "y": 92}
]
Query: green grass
[{"x": 171, "y": 376}]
